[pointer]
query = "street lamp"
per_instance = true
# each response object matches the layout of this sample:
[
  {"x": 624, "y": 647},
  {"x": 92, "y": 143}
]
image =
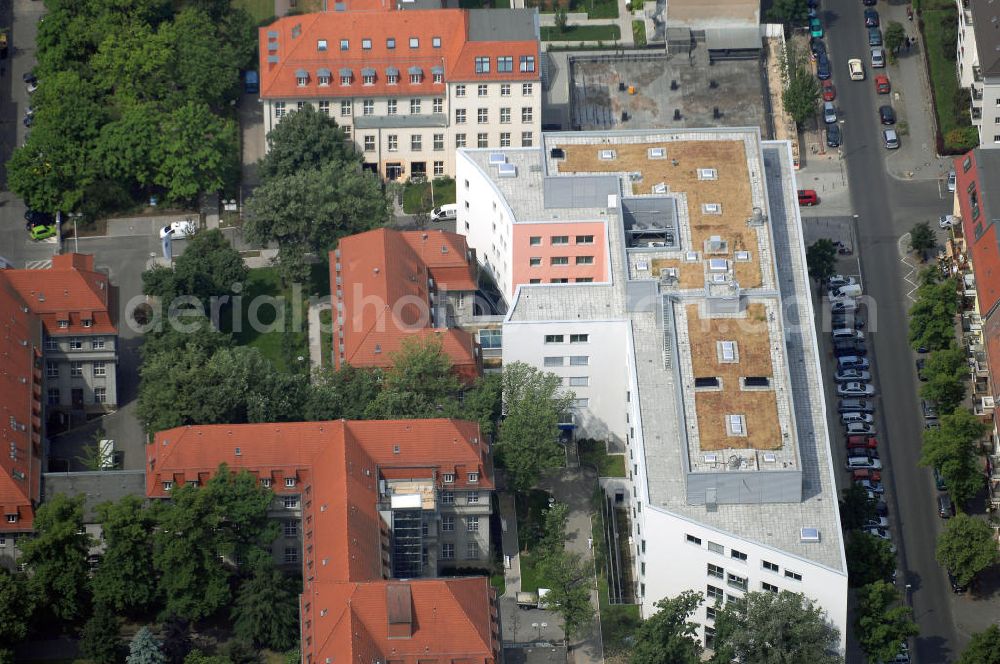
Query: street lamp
[{"x": 76, "y": 238}]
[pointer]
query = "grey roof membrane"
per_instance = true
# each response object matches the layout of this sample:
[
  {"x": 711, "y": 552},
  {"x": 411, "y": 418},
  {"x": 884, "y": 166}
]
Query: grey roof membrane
[
  {"x": 98, "y": 487},
  {"x": 502, "y": 24},
  {"x": 583, "y": 191}
]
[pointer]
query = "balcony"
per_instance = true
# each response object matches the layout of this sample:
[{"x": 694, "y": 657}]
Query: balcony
[
  {"x": 984, "y": 406},
  {"x": 976, "y": 113},
  {"x": 977, "y": 93},
  {"x": 977, "y": 73}
]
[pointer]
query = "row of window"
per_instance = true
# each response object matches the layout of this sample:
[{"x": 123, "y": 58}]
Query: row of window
[
  {"x": 740, "y": 556},
  {"x": 564, "y": 280},
  {"x": 417, "y": 141},
  {"x": 733, "y": 580},
  {"x": 97, "y": 369},
  {"x": 75, "y": 343},
  {"x": 449, "y": 478},
  {"x": 448, "y": 524},
  {"x": 448, "y": 497},
  {"x": 366, "y": 43},
  {"x": 559, "y": 360},
  {"x": 536, "y": 261},
  {"x": 55, "y": 395},
  {"x": 483, "y": 90},
  {"x": 471, "y": 550},
  {"x": 367, "y": 78},
  {"x": 483, "y": 114},
  {"x": 505, "y": 63},
  {"x": 561, "y": 338},
  {"x": 556, "y": 240},
  {"x": 64, "y": 323}
]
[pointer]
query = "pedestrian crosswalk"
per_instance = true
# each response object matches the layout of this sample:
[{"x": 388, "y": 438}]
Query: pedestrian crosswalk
[{"x": 38, "y": 265}]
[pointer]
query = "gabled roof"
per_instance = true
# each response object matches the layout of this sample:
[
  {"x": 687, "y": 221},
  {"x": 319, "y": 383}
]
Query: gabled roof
[
  {"x": 20, "y": 409},
  {"x": 70, "y": 290},
  {"x": 309, "y": 42}
]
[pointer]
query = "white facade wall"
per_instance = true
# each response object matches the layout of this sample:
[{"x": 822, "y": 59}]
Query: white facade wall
[
  {"x": 985, "y": 89},
  {"x": 486, "y": 221},
  {"x": 603, "y": 415}
]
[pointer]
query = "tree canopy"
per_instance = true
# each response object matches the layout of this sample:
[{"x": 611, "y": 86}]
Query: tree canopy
[
  {"x": 947, "y": 373},
  {"x": 922, "y": 238},
  {"x": 821, "y": 259},
  {"x": 870, "y": 559},
  {"x": 883, "y": 625},
  {"x": 125, "y": 580},
  {"x": 952, "y": 449},
  {"x": 801, "y": 88},
  {"x": 266, "y": 611},
  {"x": 856, "y": 508},
  {"x": 983, "y": 648},
  {"x": 966, "y": 547},
  {"x": 932, "y": 316},
  {"x": 16, "y": 608},
  {"x": 145, "y": 649},
  {"x": 667, "y": 636}
]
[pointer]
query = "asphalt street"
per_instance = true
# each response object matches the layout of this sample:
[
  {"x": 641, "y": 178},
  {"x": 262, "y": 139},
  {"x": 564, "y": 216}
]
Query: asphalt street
[{"x": 886, "y": 208}]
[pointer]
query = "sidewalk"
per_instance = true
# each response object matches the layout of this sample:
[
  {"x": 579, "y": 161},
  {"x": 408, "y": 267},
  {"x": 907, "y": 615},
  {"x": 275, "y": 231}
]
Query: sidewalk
[{"x": 316, "y": 334}]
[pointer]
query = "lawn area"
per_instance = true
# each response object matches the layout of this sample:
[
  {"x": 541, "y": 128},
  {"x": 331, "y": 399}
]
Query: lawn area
[
  {"x": 417, "y": 196},
  {"x": 263, "y": 10},
  {"x": 499, "y": 582},
  {"x": 639, "y": 33},
  {"x": 530, "y": 508},
  {"x": 595, "y": 453},
  {"x": 582, "y": 33},
  {"x": 618, "y": 621},
  {"x": 593, "y": 8},
  {"x": 938, "y": 22},
  {"x": 326, "y": 323}
]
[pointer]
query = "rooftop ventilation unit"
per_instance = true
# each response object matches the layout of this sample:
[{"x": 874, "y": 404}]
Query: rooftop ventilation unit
[
  {"x": 660, "y": 188},
  {"x": 757, "y": 218},
  {"x": 711, "y": 208},
  {"x": 691, "y": 256},
  {"x": 606, "y": 155},
  {"x": 657, "y": 153},
  {"x": 497, "y": 158},
  {"x": 728, "y": 351},
  {"x": 718, "y": 265},
  {"x": 708, "y": 174},
  {"x": 711, "y": 458},
  {"x": 809, "y": 535},
  {"x": 769, "y": 457},
  {"x": 743, "y": 256},
  {"x": 557, "y": 153},
  {"x": 508, "y": 171}
]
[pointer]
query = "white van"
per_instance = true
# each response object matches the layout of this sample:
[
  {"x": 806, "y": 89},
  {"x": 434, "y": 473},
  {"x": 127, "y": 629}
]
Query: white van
[
  {"x": 855, "y": 417},
  {"x": 849, "y": 290},
  {"x": 855, "y": 462},
  {"x": 860, "y": 429},
  {"x": 847, "y": 333},
  {"x": 106, "y": 452},
  {"x": 445, "y": 213}
]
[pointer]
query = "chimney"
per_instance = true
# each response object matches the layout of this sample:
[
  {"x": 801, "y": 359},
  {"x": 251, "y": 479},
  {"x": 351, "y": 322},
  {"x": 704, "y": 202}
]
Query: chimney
[{"x": 399, "y": 610}]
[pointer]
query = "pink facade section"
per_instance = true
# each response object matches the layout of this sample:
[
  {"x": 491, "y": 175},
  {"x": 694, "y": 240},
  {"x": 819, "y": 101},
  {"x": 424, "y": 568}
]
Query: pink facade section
[{"x": 548, "y": 253}]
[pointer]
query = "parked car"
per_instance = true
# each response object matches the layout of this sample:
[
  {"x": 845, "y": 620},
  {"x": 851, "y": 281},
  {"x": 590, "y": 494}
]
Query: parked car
[
  {"x": 857, "y": 418},
  {"x": 946, "y": 509},
  {"x": 920, "y": 369},
  {"x": 850, "y": 290},
  {"x": 857, "y": 405},
  {"x": 929, "y": 410},
  {"x": 834, "y": 136},
  {"x": 947, "y": 221},
  {"x": 445, "y": 212},
  {"x": 178, "y": 230},
  {"x": 951, "y": 179},
  {"x": 42, "y": 232},
  {"x": 838, "y": 280},
  {"x": 818, "y": 47},
  {"x": 882, "y": 85},
  {"x": 251, "y": 82},
  {"x": 866, "y": 474},
  {"x": 886, "y": 115},
  {"x": 847, "y": 320},
  {"x": 874, "y": 37},
  {"x": 871, "y": 18},
  {"x": 815, "y": 28},
  {"x": 878, "y": 58},
  {"x": 808, "y": 197},
  {"x": 856, "y": 69},
  {"x": 855, "y": 389},
  {"x": 823, "y": 67},
  {"x": 866, "y": 442},
  {"x": 28, "y": 120},
  {"x": 855, "y": 462},
  {"x": 880, "y": 533},
  {"x": 860, "y": 429},
  {"x": 829, "y": 112},
  {"x": 939, "y": 482},
  {"x": 848, "y": 375},
  {"x": 845, "y": 349},
  {"x": 853, "y": 362},
  {"x": 890, "y": 139},
  {"x": 843, "y": 305},
  {"x": 847, "y": 333},
  {"x": 955, "y": 586},
  {"x": 829, "y": 91},
  {"x": 877, "y": 522}
]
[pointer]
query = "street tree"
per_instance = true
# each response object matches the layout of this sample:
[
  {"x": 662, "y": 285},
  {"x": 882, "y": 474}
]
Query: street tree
[
  {"x": 821, "y": 259},
  {"x": 668, "y": 636},
  {"x": 57, "y": 557},
  {"x": 198, "y": 152},
  {"x": 764, "y": 627},
  {"x": 983, "y": 648},
  {"x": 16, "y": 606},
  {"x": 895, "y": 36},
  {"x": 101, "y": 642},
  {"x": 532, "y": 403},
  {"x": 51, "y": 170},
  {"x": 145, "y": 649},
  {"x": 420, "y": 383},
  {"x": 789, "y": 12},
  {"x": 922, "y": 239},
  {"x": 856, "y": 508},
  {"x": 195, "y": 329},
  {"x": 125, "y": 580},
  {"x": 883, "y": 625},
  {"x": 552, "y": 540},
  {"x": 561, "y": 19},
  {"x": 304, "y": 140},
  {"x": 133, "y": 63},
  {"x": 205, "y": 67},
  {"x": 266, "y": 610},
  {"x": 869, "y": 559},
  {"x": 952, "y": 449},
  {"x": 572, "y": 580},
  {"x": 208, "y": 268},
  {"x": 126, "y": 145},
  {"x": 966, "y": 547},
  {"x": 801, "y": 89},
  {"x": 345, "y": 393},
  {"x": 240, "y": 505},
  {"x": 932, "y": 316},
  {"x": 946, "y": 372}
]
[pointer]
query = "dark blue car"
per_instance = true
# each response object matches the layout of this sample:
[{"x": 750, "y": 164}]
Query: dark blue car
[{"x": 823, "y": 67}]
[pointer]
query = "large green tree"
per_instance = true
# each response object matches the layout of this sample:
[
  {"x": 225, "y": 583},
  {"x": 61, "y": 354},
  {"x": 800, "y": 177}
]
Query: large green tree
[
  {"x": 532, "y": 404},
  {"x": 209, "y": 267},
  {"x": 125, "y": 580},
  {"x": 870, "y": 559},
  {"x": 16, "y": 606},
  {"x": 952, "y": 449},
  {"x": 668, "y": 636},
  {"x": 101, "y": 642},
  {"x": 345, "y": 393},
  {"x": 764, "y": 627},
  {"x": 205, "y": 67},
  {"x": 145, "y": 649},
  {"x": 57, "y": 557},
  {"x": 821, "y": 259},
  {"x": 966, "y": 547},
  {"x": 420, "y": 383},
  {"x": 856, "y": 508},
  {"x": 789, "y": 12},
  {"x": 126, "y": 146},
  {"x": 922, "y": 238},
  {"x": 304, "y": 140},
  {"x": 983, "y": 648},
  {"x": 801, "y": 89},
  {"x": 266, "y": 611},
  {"x": 932, "y": 316},
  {"x": 947, "y": 373},
  {"x": 198, "y": 152},
  {"x": 883, "y": 625},
  {"x": 572, "y": 580}
]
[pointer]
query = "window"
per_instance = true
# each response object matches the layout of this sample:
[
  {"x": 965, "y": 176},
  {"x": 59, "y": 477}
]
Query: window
[
  {"x": 482, "y": 140},
  {"x": 770, "y": 567},
  {"x": 345, "y": 44},
  {"x": 290, "y": 502},
  {"x": 459, "y": 116},
  {"x": 51, "y": 370},
  {"x": 167, "y": 486},
  {"x": 393, "y": 142},
  {"x": 366, "y": 44},
  {"x": 472, "y": 550},
  {"x": 579, "y": 338},
  {"x": 534, "y": 281},
  {"x": 100, "y": 369},
  {"x": 482, "y": 65},
  {"x": 324, "y": 80},
  {"x": 559, "y": 260},
  {"x": 291, "y": 528},
  {"x": 554, "y": 338},
  {"x": 447, "y": 551},
  {"x": 76, "y": 369},
  {"x": 320, "y": 44},
  {"x": 438, "y": 168},
  {"x": 63, "y": 324},
  {"x": 459, "y": 140},
  {"x": 714, "y": 593},
  {"x": 390, "y": 43},
  {"x": 447, "y": 498},
  {"x": 579, "y": 360},
  {"x": 693, "y": 540},
  {"x": 97, "y": 343},
  {"x": 535, "y": 240},
  {"x": 460, "y": 90},
  {"x": 88, "y": 323},
  {"x": 562, "y": 280},
  {"x": 414, "y": 107},
  {"x": 291, "y": 554},
  {"x": 473, "y": 478},
  {"x": 345, "y": 108},
  {"x": 527, "y": 139},
  {"x": 447, "y": 524},
  {"x": 448, "y": 478},
  {"x": 265, "y": 482},
  {"x": 716, "y": 571},
  {"x": 54, "y": 396},
  {"x": 716, "y": 548},
  {"x": 527, "y": 63},
  {"x": 769, "y": 587},
  {"x": 710, "y": 613},
  {"x": 75, "y": 344},
  {"x": 368, "y": 79},
  {"x": 505, "y": 89},
  {"x": 438, "y": 77},
  {"x": 584, "y": 260},
  {"x": 490, "y": 338},
  {"x": 392, "y": 78},
  {"x": 554, "y": 361},
  {"x": 438, "y": 142},
  {"x": 482, "y": 115},
  {"x": 369, "y": 144},
  {"x": 368, "y": 107},
  {"x": 560, "y": 239},
  {"x": 390, "y": 107},
  {"x": 437, "y": 106},
  {"x": 472, "y": 524},
  {"x": 289, "y": 482},
  {"x": 299, "y": 105},
  {"x": 584, "y": 280},
  {"x": 505, "y": 115},
  {"x": 526, "y": 89},
  {"x": 472, "y": 498},
  {"x": 738, "y": 582},
  {"x": 414, "y": 42},
  {"x": 436, "y": 42},
  {"x": 738, "y": 555},
  {"x": 416, "y": 142},
  {"x": 793, "y": 575},
  {"x": 505, "y": 63},
  {"x": 51, "y": 344},
  {"x": 324, "y": 107},
  {"x": 505, "y": 139},
  {"x": 416, "y": 77},
  {"x": 279, "y": 111}
]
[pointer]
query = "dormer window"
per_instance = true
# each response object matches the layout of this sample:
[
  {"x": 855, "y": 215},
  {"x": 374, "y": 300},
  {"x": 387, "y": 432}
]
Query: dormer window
[
  {"x": 320, "y": 44},
  {"x": 289, "y": 482},
  {"x": 346, "y": 76},
  {"x": 473, "y": 478},
  {"x": 323, "y": 76},
  {"x": 483, "y": 65},
  {"x": 439, "y": 78},
  {"x": 265, "y": 482},
  {"x": 63, "y": 324},
  {"x": 448, "y": 478},
  {"x": 168, "y": 485},
  {"x": 301, "y": 78},
  {"x": 345, "y": 44},
  {"x": 368, "y": 76},
  {"x": 11, "y": 518},
  {"x": 416, "y": 75},
  {"x": 88, "y": 323},
  {"x": 390, "y": 43},
  {"x": 366, "y": 44},
  {"x": 345, "y": 80}
]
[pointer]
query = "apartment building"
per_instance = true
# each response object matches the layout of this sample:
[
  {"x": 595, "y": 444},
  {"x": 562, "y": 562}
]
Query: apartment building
[
  {"x": 409, "y": 86},
  {"x": 979, "y": 65},
  {"x": 72, "y": 300},
  {"x": 390, "y": 285},
  {"x": 682, "y": 354}
]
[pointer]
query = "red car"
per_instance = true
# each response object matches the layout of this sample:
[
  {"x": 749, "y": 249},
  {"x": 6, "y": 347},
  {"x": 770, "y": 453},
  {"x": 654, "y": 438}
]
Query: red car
[
  {"x": 882, "y": 84},
  {"x": 829, "y": 91},
  {"x": 808, "y": 197},
  {"x": 866, "y": 474},
  {"x": 862, "y": 441}
]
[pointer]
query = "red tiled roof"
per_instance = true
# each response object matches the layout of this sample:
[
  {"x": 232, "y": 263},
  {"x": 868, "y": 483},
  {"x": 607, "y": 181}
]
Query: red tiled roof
[
  {"x": 69, "y": 290},
  {"x": 384, "y": 278},
  {"x": 295, "y": 46},
  {"x": 20, "y": 408}
]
